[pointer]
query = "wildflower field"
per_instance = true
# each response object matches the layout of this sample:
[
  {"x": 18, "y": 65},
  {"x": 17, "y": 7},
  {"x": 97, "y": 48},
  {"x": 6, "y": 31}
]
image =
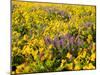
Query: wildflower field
[{"x": 49, "y": 37}]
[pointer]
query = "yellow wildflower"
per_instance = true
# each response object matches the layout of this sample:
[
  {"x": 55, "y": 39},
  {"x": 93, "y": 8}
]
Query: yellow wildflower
[
  {"x": 76, "y": 61},
  {"x": 50, "y": 46},
  {"x": 20, "y": 68},
  {"x": 34, "y": 53},
  {"x": 62, "y": 62},
  {"x": 69, "y": 66},
  {"x": 91, "y": 66},
  {"x": 13, "y": 73},
  {"x": 93, "y": 57},
  {"x": 83, "y": 54},
  {"x": 27, "y": 68},
  {"x": 80, "y": 50},
  {"x": 85, "y": 67},
  {"x": 41, "y": 50},
  {"x": 25, "y": 37},
  {"x": 77, "y": 67},
  {"x": 50, "y": 56},
  {"x": 41, "y": 43},
  {"x": 89, "y": 38},
  {"x": 94, "y": 47},
  {"x": 26, "y": 50},
  {"x": 69, "y": 55}
]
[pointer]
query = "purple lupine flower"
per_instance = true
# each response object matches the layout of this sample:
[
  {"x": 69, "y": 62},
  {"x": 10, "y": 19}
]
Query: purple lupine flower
[
  {"x": 55, "y": 41},
  {"x": 67, "y": 36},
  {"x": 47, "y": 9},
  {"x": 62, "y": 13},
  {"x": 47, "y": 40},
  {"x": 58, "y": 45},
  {"x": 71, "y": 40},
  {"x": 61, "y": 42},
  {"x": 54, "y": 44},
  {"x": 68, "y": 46},
  {"x": 79, "y": 42},
  {"x": 73, "y": 49},
  {"x": 87, "y": 24}
]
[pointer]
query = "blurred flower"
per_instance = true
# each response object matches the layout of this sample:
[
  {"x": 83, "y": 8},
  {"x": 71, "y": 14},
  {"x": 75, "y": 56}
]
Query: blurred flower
[
  {"x": 47, "y": 40},
  {"x": 76, "y": 61},
  {"x": 50, "y": 46},
  {"x": 63, "y": 61},
  {"x": 69, "y": 55},
  {"x": 73, "y": 49},
  {"x": 35, "y": 54},
  {"x": 69, "y": 66},
  {"x": 87, "y": 24},
  {"x": 77, "y": 67},
  {"x": 56, "y": 43},
  {"x": 41, "y": 50},
  {"x": 79, "y": 42},
  {"x": 20, "y": 68},
  {"x": 90, "y": 37},
  {"x": 83, "y": 54},
  {"x": 93, "y": 46},
  {"x": 91, "y": 66},
  {"x": 71, "y": 40},
  {"x": 25, "y": 37},
  {"x": 93, "y": 57},
  {"x": 61, "y": 42}
]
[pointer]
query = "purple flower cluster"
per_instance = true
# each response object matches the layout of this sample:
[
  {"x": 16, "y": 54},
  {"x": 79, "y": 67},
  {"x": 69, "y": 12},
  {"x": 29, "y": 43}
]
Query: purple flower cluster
[
  {"x": 62, "y": 13},
  {"x": 67, "y": 42}
]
